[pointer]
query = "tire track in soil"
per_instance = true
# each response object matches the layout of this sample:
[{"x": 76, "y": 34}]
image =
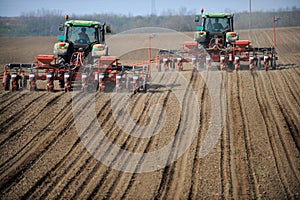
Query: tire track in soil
[
  {"x": 102, "y": 171},
  {"x": 225, "y": 157},
  {"x": 74, "y": 168},
  {"x": 267, "y": 121},
  {"x": 247, "y": 139},
  {"x": 61, "y": 169},
  {"x": 167, "y": 182},
  {"x": 60, "y": 128},
  {"x": 294, "y": 91},
  {"x": 15, "y": 165},
  {"x": 96, "y": 167},
  {"x": 194, "y": 188},
  {"x": 8, "y": 99},
  {"x": 289, "y": 110},
  {"x": 285, "y": 141},
  {"x": 126, "y": 145},
  {"x": 15, "y": 112},
  {"x": 88, "y": 165},
  {"x": 137, "y": 145},
  {"x": 296, "y": 70},
  {"x": 20, "y": 132},
  {"x": 242, "y": 177}
]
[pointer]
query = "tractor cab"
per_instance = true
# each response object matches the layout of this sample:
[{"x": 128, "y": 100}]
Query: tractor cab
[
  {"x": 215, "y": 28},
  {"x": 81, "y": 35}
]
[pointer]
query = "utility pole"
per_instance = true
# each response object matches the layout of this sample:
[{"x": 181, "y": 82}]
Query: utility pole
[
  {"x": 275, "y": 19},
  {"x": 153, "y": 8},
  {"x": 250, "y": 20}
]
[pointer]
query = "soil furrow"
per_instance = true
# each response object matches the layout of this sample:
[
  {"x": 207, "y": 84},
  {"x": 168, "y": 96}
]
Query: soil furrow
[
  {"x": 88, "y": 164},
  {"x": 294, "y": 91},
  {"x": 9, "y": 99},
  {"x": 289, "y": 110},
  {"x": 102, "y": 172},
  {"x": 138, "y": 145},
  {"x": 167, "y": 183},
  {"x": 284, "y": 140},
  {"x": 59, "y": 129},
  {"x": 247, "y": 141},
  {"x": 10, "y": 140},
  {"x": 239, "y": 167},
  {"x": 226, "y": 159},
  {"x": 267, "y": 119},
  {"x": 99, "y": 168},
  {"x": 14, "y": 113},
  {"x": 194, "y": 189},
  {"x": 31, "y": 154},
  {"x": 124, "y": 145},
  {"x": 127, "y": 144},
  {"x": 65, "y": 167}
]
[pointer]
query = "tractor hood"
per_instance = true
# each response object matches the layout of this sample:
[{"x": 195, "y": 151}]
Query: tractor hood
[{"x": 82, "y": 23}]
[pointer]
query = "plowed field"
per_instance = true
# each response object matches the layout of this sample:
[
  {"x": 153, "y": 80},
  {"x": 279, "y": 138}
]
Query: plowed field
[{"x": 231, "y": 134}]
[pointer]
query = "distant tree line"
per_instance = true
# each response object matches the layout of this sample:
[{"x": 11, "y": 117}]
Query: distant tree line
[{"x": 45, "y": 23}]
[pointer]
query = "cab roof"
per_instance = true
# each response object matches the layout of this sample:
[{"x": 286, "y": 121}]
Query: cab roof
[
  {"x": 217, "y": 15},
  {"x": 82, "y": 23}
]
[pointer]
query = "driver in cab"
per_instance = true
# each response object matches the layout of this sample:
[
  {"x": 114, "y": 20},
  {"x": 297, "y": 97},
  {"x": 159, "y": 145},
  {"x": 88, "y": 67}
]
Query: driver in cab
[
  {"x": 217, "y": 26},
  {"x": 83, "y": 37}
]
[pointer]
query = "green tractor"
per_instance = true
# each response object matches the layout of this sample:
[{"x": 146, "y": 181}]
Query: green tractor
[
  {"x": 81, "y": 35},
  {"x": 215, "y": 41},
  {"x": 215, "y": 30}
]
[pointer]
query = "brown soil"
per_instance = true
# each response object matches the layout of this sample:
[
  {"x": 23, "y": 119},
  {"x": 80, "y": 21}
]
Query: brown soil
[{"x": 256, "y": 156}]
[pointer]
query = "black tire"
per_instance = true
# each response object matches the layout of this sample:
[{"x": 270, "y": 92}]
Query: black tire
[
  {"x": 173, "y": 64},
  {"x": 24, "y": 82},
  {"x": 17, "y": 84},
  {"x": 258, "y": 63},
  {"x": 273, "y": 63},
  {"x": 33, "y": 86},
  {"x": 230, "y": 65},
  {"x": 7, "y": 82},
  {"x": 159, "y": 66},
  {"x": 61, "y": 84}
]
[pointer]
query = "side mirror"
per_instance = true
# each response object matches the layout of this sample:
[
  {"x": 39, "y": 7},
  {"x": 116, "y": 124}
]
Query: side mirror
[
  {"x": 108, "y": 29},
  {"x": 61, "y": 27},
  {"x": 197, "y": 18}
]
